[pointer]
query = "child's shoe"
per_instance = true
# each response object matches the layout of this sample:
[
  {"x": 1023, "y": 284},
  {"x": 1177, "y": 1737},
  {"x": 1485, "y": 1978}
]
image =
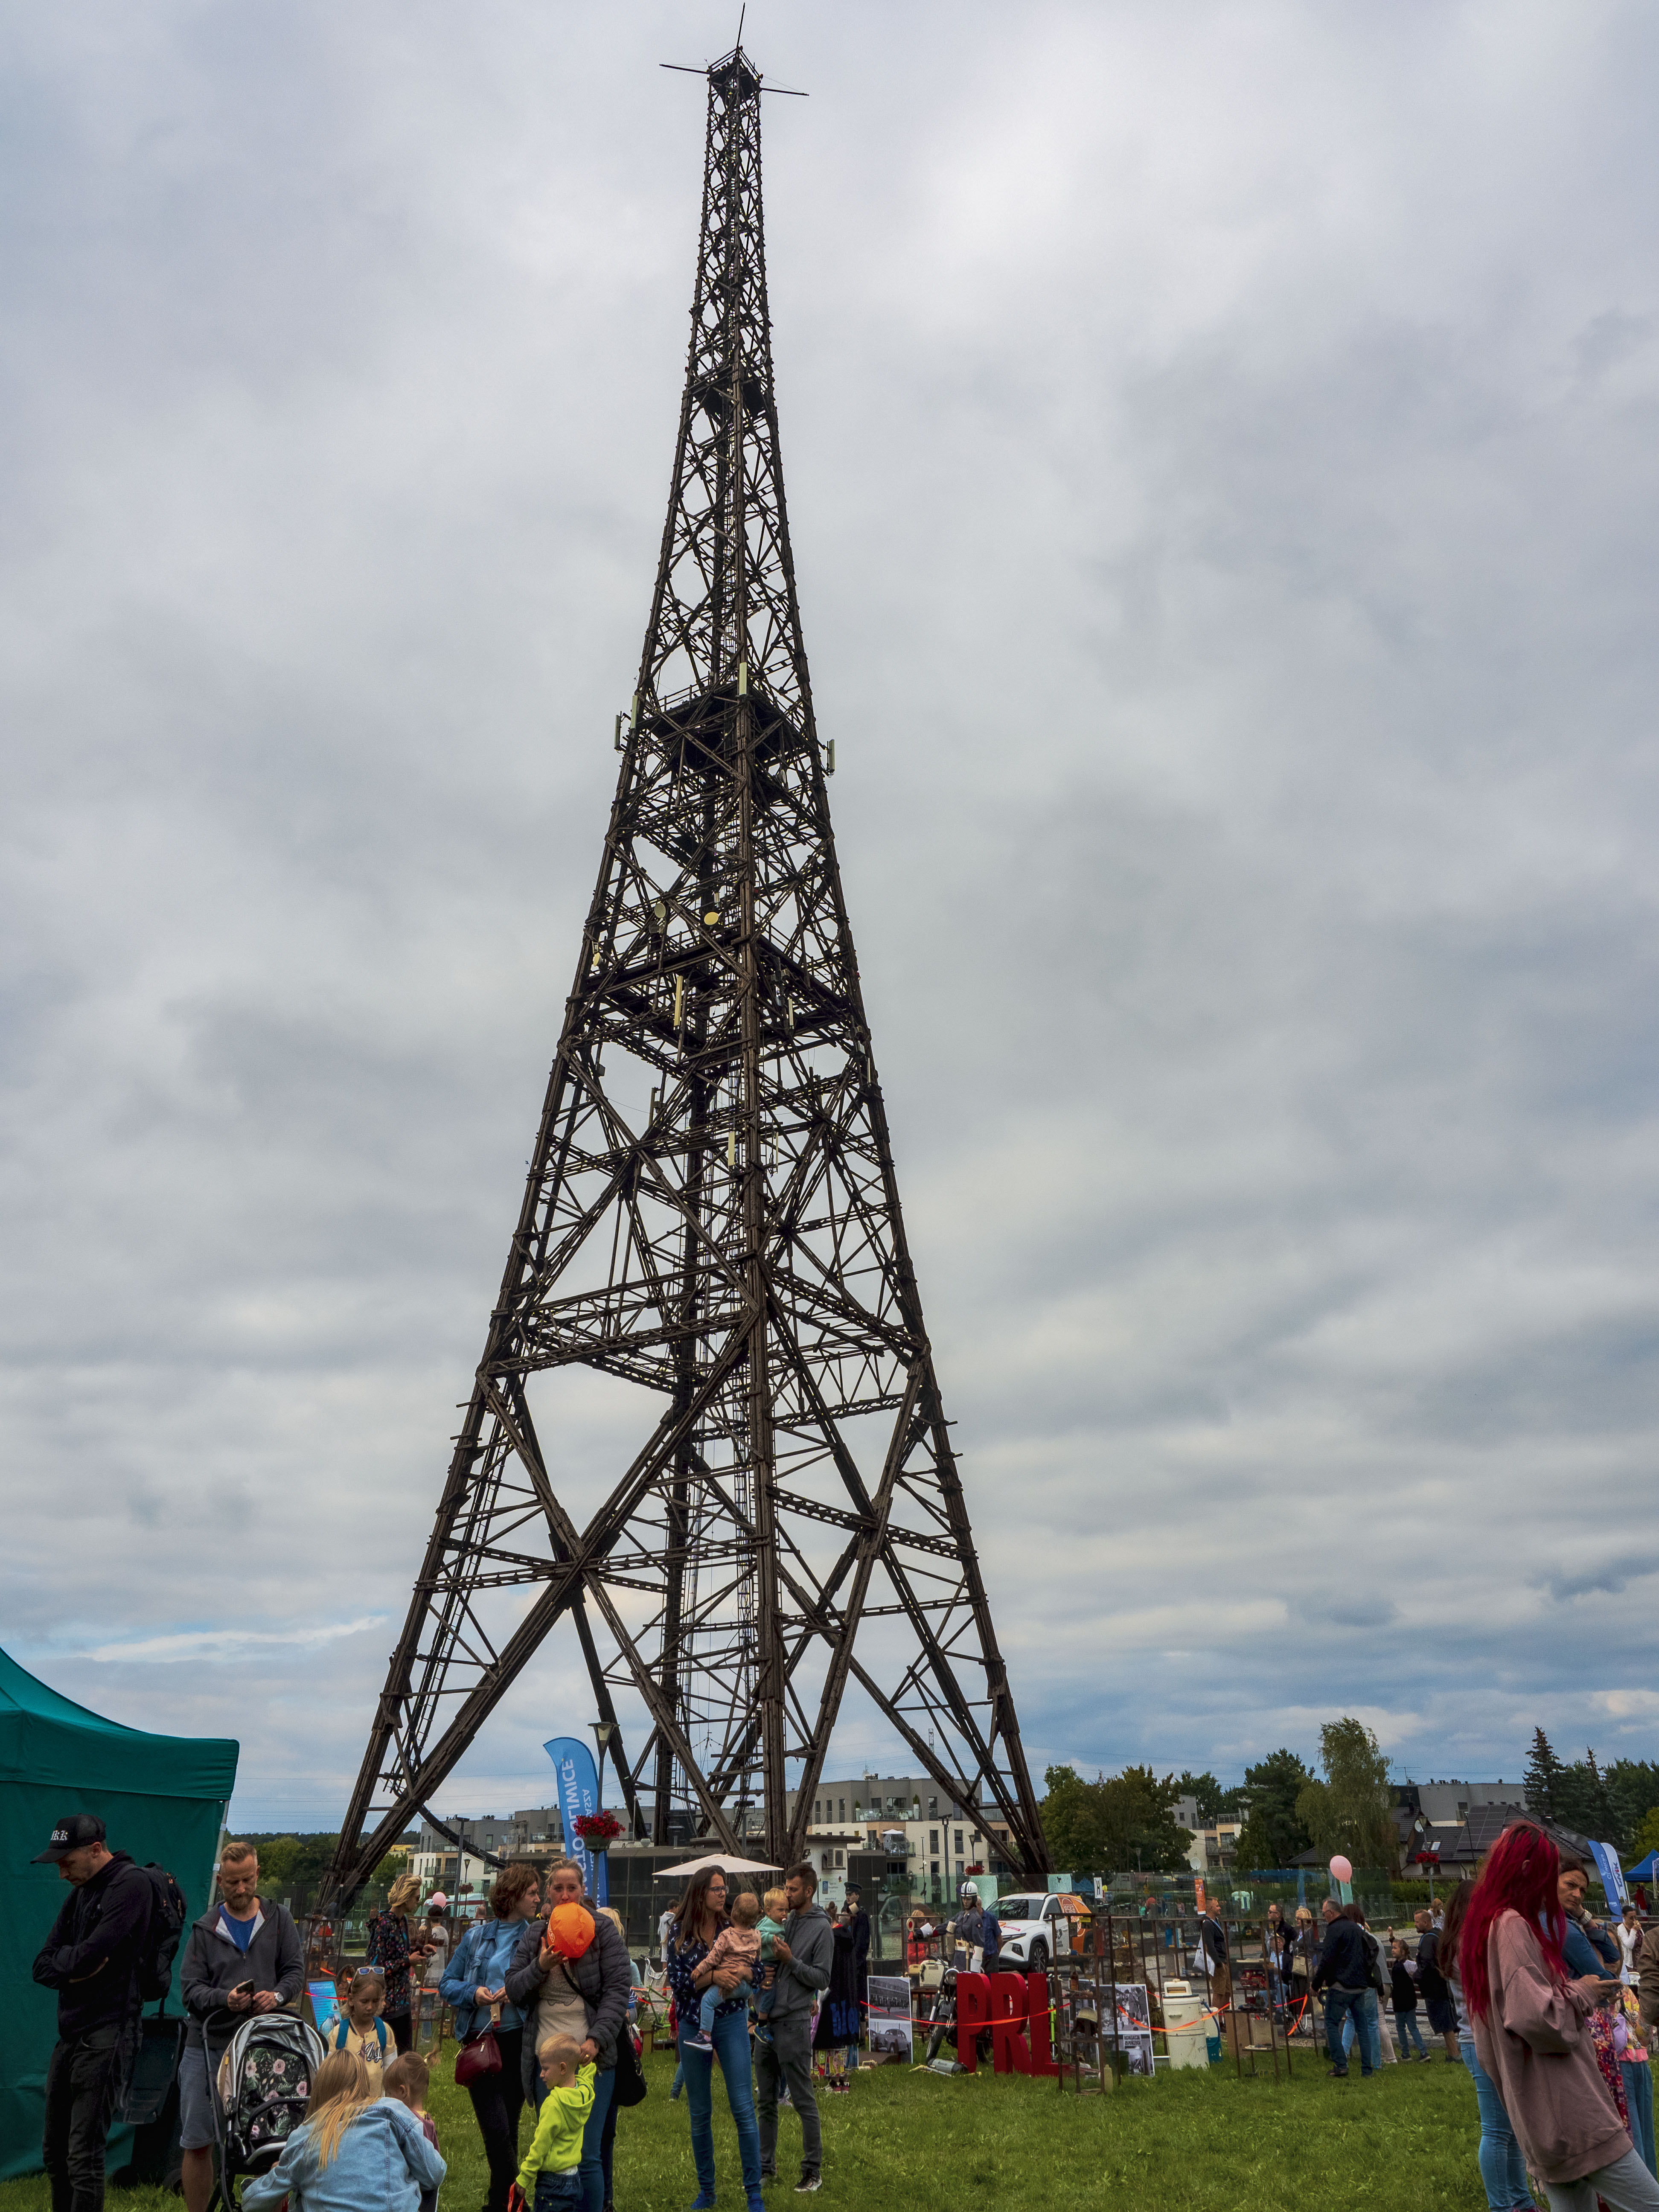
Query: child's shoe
[{"x": 705, "y": 2043}]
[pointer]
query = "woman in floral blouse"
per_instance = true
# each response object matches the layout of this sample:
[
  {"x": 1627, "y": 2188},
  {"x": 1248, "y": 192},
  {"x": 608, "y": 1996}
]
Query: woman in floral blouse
[
  {"x": 389, "y": 1949},
  {"x": 698, "y": 1919}
]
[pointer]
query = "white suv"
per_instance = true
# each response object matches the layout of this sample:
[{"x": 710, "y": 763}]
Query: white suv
[{"x": 1033, "y": 1932}]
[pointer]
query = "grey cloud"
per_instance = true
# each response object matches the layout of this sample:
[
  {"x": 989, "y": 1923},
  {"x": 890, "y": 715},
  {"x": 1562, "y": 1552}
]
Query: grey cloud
[
  {"x": 1221, "y": 466},
  {"x": 1610, "y": 1579}
]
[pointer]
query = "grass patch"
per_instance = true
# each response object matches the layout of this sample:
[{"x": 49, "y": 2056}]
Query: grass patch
[{"x": 1186, "y": 2142}]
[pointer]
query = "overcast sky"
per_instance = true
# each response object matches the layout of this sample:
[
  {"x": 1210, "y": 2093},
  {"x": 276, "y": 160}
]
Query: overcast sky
[{"x": 1221, "y": 453}]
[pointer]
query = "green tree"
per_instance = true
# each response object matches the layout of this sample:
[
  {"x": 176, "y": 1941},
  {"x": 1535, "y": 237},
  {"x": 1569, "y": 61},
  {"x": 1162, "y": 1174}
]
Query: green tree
[
  {"x": 278, "y": 1857},
  {"x": 1644, "y": 1836},
  {"x": 1273, "y": 1833},
  {"x": 1149, "y": 1837},
  {"x": 1112, "y": 1825},
  {"x": 1206, "y": 1792},
  {"x": 1352, "y": 1810},
  {"x": 1074, "y": 1827},
  {"x": 1592, "y": 1813},
  {"x": 1632, "y": 1788},
  {"x": 1543, "y": 1779}
]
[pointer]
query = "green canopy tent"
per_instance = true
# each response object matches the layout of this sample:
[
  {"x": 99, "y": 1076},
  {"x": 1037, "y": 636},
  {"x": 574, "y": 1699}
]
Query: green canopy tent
[{"x": 160, "y": 1798}]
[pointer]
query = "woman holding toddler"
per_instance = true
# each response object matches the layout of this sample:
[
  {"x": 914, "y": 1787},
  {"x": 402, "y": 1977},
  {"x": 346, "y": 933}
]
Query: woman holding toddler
[{"x": 709, "y": 1953}]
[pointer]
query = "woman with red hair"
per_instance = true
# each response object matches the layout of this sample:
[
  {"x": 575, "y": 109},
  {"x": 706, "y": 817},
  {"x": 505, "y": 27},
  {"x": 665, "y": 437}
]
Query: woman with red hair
[{"x": 1532, "y": 2035}]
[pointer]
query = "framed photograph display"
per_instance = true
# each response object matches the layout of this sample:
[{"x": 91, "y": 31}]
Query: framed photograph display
[{"x": 887, "y": 1998}]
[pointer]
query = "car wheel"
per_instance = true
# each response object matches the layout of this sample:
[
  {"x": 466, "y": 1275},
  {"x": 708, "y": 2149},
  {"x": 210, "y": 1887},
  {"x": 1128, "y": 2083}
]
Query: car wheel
[{"x": 1037, "y": 1962}]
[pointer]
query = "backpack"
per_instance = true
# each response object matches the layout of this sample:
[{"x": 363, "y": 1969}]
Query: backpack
[
  {"x": 1429, "y": 1979},
  {"x": 1380, "y": 1980},
  {"x": 342, "y": 2028},
  {"x": 167, "y": 1913}
]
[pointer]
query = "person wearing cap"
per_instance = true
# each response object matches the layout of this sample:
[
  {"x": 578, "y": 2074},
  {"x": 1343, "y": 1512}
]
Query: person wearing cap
[
  {"x": 90, "y": 1958},
  {"x": 244, "y": 1956}
]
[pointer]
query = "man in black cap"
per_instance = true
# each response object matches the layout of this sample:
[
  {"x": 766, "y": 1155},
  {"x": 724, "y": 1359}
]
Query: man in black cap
[{"x": 91, "y": 1958}]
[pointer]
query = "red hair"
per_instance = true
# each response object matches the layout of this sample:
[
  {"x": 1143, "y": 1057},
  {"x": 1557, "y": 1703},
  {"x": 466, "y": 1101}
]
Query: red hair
[{"x": 1520, "y": 1876}]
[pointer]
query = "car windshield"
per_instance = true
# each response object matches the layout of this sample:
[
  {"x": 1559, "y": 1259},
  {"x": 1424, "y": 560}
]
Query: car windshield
[{"x": 1016, "y": 1908}]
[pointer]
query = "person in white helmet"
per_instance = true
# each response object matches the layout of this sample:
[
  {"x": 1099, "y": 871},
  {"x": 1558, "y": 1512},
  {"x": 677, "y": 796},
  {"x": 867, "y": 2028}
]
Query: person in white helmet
[{"x": 432, "y": 1946}]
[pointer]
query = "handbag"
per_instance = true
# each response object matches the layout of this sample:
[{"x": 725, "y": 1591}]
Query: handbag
[
  {"x": 479, "y": 2055},
  {"x": 630, "y": 2071}
]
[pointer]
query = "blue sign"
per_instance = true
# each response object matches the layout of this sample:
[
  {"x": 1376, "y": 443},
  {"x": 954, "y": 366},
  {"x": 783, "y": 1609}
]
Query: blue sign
[
  {"x": 1613, "y": 1878},
  {"x": 578, "y": 1793}
]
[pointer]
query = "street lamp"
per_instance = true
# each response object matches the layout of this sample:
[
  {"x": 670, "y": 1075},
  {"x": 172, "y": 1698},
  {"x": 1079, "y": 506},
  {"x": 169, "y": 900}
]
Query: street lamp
[{"x": 602, "y": 1732}]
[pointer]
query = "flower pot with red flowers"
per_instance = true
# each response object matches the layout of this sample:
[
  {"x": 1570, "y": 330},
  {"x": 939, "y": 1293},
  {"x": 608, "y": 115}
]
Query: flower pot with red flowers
[{"x": 598, "y": 1831}]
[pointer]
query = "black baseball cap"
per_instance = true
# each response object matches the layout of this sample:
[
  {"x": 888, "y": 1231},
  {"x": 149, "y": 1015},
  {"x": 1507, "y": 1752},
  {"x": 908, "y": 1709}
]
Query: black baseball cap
[{"x": 71, "y": 1834}]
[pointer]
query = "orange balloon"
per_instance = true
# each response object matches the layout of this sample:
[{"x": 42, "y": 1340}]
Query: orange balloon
[{"x": 570, "y": 1930}]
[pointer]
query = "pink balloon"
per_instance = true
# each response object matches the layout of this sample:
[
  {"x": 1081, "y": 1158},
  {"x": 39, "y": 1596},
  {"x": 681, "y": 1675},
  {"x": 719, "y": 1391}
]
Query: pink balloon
[{"x": 1340, "y": 1870}]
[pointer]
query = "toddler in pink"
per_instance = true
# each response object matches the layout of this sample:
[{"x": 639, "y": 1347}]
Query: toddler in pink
[{"x": 740, "y": 1943}]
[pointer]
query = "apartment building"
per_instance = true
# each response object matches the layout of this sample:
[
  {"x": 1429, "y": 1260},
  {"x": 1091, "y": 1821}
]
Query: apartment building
[
  {"x": 919, "y": 1831},
  {"x": 535, "y": 1835}
]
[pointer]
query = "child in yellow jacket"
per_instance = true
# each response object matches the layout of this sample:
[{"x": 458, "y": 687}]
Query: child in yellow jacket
[{"x": 548, "y": 2176}]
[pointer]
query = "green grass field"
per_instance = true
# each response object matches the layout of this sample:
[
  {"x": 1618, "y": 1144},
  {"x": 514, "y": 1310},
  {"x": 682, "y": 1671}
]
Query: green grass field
[{"x": 1186, "y": 2142}]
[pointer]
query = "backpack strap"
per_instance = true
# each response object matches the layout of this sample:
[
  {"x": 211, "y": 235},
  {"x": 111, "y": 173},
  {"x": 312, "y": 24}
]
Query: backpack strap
[{"x": 379, "y": 2031}]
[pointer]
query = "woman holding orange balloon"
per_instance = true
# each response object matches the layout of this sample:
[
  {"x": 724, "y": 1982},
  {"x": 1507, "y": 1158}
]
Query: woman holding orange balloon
[{"x": 571, "y": 1975}]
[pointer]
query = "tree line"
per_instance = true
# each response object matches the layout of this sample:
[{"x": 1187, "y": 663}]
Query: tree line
[
  {"x": 1126, "y": 1822},
  {"x": 293, "y": 1866},
  {"x": 1617, "y": 1804}
]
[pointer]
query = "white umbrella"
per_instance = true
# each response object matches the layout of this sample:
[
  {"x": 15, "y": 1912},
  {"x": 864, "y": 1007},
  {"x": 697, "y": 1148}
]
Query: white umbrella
[{"x": 719, "y": 1859}]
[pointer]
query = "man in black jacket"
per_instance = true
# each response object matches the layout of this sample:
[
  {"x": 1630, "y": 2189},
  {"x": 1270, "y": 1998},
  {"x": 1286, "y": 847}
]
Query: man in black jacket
[
  {"x": 858, "y": 1922},
  {"x": 244, "y": 1956},
  {"x": 1343, "y": 1970},
  {"x": 91, "y": 1958}
]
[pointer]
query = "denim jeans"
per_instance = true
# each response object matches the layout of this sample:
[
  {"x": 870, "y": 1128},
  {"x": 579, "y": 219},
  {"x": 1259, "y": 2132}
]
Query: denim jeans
[
  {"x": 1503, "y": 2167},
  {"x": 1408, "y": 2032},
  {"x": 1638, "y": 2096},
  {"x": 1382, "y": 2041},
  {"x": 731, "y": 2034},
  {"x": 1340, "y": 2006}
]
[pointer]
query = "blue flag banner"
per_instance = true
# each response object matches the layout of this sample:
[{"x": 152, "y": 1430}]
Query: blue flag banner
[
  {"x": 1611, "y": 1874},
  {"x": 578, "y": 1793}
]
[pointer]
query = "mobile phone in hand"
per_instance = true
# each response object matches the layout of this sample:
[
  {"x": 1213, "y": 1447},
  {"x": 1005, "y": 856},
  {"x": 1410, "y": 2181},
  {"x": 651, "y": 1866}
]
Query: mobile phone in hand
[{"x": 243, "y": 1990}]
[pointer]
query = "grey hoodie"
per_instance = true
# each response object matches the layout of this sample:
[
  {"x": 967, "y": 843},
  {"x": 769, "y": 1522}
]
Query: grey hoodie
[
  {"x": 212, "y": 1966},
  {"x": 805, "y": 1974}
]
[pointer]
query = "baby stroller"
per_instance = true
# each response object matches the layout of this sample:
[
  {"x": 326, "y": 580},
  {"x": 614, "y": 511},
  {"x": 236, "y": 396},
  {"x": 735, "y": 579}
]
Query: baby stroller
[{"x": 262, "y": 2080}]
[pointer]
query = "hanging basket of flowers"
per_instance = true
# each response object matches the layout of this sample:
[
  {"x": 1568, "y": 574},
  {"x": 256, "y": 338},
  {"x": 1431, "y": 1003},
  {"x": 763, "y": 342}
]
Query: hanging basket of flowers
[{"x": 599, "y": 1831}]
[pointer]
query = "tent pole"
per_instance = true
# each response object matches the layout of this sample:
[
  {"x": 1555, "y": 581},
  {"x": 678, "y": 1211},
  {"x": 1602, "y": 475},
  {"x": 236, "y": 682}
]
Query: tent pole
[{"x": 218, "y": 1853}]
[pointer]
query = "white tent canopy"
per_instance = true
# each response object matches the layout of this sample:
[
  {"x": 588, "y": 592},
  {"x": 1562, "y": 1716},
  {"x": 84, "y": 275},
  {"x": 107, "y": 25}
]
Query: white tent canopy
[{"x": 719, "y": 1859}]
